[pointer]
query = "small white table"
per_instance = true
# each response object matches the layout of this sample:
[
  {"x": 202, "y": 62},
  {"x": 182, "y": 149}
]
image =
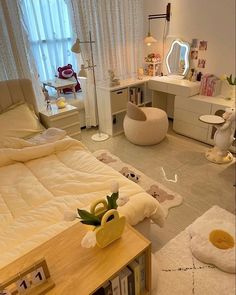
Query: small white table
[{"x": 60, "y": 84}]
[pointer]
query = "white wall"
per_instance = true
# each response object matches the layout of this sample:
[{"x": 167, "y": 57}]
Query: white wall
[{"x": 210, "y": 20}]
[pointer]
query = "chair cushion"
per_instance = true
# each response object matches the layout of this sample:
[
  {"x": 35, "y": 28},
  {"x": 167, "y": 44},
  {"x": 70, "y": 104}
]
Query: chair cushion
[{"x": 135, "y": 113}]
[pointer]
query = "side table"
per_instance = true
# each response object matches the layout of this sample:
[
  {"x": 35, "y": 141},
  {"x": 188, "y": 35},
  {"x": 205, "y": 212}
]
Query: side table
[
  {"x": 60, "y": 84},
  {"x": 66, "y": 119}
]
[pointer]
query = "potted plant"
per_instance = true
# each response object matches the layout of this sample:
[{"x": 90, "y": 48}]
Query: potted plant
[
  {"x": 228, "y": 90},
  {"x": 106, "y": 225}
]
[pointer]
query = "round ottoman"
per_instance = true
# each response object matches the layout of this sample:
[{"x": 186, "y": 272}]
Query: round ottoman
[{"x": 151, "y": 129}]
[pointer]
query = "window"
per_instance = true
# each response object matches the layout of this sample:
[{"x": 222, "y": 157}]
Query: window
[{"x": 50, "y": 34}]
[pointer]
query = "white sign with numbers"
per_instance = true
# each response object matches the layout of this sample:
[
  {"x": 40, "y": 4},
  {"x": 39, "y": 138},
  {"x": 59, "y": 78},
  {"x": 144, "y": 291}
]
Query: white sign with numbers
[
  {"x": 38, "y": 276},
  {"x": 28, "y": 280},
  {"x": 22, "y": 285}
]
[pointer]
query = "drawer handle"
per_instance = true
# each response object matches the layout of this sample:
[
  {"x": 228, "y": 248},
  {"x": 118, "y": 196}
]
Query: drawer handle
[{"x": 119, "y": 92}]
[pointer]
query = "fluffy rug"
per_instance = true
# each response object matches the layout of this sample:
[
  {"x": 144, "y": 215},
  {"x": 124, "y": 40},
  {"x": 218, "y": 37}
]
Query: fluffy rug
[
  {"x": 166, "y": 197},
  {"x": 178, "y": 272}
]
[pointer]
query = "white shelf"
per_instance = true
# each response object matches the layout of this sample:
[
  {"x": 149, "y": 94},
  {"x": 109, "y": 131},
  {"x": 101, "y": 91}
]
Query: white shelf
[{"x": 112, "y": 103}]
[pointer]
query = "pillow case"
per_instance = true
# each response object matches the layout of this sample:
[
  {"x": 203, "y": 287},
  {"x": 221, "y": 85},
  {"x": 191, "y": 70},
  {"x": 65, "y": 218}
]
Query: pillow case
[{"x": 19, "y": 122}]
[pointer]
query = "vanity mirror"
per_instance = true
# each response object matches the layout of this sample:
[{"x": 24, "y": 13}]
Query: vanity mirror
[{"x": 177, "y": 59}]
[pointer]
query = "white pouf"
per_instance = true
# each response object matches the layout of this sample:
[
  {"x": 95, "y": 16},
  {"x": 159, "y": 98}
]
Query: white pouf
[{"x": 149, "y": 131}]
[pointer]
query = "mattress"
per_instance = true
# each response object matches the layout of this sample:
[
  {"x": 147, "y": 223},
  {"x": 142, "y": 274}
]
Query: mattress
[{"x": 39, "y": 183}]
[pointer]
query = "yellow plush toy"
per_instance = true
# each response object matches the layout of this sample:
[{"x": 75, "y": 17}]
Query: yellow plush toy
[{"x": 61, "y": 102}]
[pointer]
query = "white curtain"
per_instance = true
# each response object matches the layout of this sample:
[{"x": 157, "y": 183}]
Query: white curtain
[
  {"x": 117, "y": 28},
  {"x": 50, "y": 35},
  {"x": 16, "y": 60}
]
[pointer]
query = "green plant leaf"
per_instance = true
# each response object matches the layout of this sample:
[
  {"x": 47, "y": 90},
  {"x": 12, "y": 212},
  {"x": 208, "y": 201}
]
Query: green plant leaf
[
  {"x": 111, "y": 200},
  {"x": 91, "y": 222},
  {"x": 86, "y": 216}
]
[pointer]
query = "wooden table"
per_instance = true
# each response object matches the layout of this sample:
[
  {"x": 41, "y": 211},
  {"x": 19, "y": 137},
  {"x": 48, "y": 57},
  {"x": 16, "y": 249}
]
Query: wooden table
[
  {"x": 60, "y": 84},
  {"x": 76, "y": 270}
]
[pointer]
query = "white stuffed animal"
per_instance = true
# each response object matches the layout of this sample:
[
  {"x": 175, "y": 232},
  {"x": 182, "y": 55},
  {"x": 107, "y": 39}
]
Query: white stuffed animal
[{"x": 224, "y": 135}]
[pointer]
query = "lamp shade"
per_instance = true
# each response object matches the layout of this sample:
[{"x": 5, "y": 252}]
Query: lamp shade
[
  {"x": 76, "y": 46},
  {"x": 82, "y": 72},
  {"x": 149, "y": 39}
]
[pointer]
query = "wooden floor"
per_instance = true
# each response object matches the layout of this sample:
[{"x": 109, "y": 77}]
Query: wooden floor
[{"x": 201, "y": 183}]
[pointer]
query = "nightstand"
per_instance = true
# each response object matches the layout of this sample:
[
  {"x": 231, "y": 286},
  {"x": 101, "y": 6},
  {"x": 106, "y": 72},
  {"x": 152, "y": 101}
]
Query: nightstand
[{"x": 66, "y": 119}]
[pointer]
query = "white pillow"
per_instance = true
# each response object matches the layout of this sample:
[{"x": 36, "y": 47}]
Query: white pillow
[{"x": 19, "y": 122}]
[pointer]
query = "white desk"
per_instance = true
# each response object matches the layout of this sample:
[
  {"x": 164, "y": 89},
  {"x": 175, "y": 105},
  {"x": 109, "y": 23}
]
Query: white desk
[
  {"x": 174, "y": 86},
  {"x": 165, "y": 89}
]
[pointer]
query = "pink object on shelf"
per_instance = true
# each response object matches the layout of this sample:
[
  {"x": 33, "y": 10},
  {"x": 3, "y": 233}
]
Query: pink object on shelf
[{"x": 210, "y": 85}]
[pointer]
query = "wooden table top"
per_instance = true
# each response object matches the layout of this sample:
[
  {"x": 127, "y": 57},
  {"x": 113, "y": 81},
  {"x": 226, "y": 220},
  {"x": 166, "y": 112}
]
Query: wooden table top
[{"x": 76, "y": 270}]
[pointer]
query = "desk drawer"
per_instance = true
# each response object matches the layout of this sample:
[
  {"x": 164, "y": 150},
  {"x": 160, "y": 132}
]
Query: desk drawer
[
  {"x": 63, "y": 120},
  {"x": 192, "y": 105},
  {"x": 190, "y": 130},
  {"x": 189, "y": 117},
  {"x": 119, "y": 99},
  {"x": 158, "y": 86},
  {"x": 72, "y": 129}
]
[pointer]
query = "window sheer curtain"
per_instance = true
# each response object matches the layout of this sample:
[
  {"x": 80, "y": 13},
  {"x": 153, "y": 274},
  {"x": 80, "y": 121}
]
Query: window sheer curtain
[
  {"x": 16, "y": 60},
  {"x": 50, "y": 35},
  {"x": 117, "y": 28}
]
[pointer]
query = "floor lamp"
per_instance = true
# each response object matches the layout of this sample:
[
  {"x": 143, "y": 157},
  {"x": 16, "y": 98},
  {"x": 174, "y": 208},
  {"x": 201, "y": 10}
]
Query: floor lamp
[{"x": 82, "y": 73}]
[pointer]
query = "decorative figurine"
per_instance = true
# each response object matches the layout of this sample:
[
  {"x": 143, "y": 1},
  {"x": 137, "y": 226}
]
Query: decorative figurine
[
  {"x": 140, "y": 73},
  {"x": 113, "y": 81},
  {"x": 224, "y": 137}
]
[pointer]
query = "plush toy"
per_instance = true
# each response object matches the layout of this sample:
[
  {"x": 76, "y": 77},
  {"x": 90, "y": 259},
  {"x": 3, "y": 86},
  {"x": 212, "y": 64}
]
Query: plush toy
[
  {"x": 131, "y": 175},
  {"x": 67, "y": 72},
  {"x": 61, "y": 102},
  {"x": 159, "y": 194}
]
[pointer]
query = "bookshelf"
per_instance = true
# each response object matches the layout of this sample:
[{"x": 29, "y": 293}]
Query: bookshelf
[
  {"x": 112, "y": 102},
  {"x": 76, "y": 270}
]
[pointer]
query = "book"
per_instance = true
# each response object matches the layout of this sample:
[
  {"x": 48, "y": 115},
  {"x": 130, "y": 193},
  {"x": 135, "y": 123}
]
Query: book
[
  {"x": 124, "y": 280},
  {"x": 135, "y": 267},
  {"x": 131, "y": 286},
  {"x": 107, "y": 288},
  {"x": 141, "y": 262},
  {"x": 139, "y": 96},
  {"x": 115, "y": 283},
  {"x": 132, "y": 95}
]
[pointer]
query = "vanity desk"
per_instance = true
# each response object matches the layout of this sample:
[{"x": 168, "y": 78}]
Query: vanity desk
[
  {"x": 166, "y": 88},
  {"x": 182, "y": 102}
]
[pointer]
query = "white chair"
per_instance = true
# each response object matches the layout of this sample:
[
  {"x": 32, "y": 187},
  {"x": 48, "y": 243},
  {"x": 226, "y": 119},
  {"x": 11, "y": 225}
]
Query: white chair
[{"x": 145, "y": 125}]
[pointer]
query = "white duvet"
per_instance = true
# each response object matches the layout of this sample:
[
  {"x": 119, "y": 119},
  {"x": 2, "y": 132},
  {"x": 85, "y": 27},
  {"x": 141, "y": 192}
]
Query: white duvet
[{"x": 39, "y": 183}]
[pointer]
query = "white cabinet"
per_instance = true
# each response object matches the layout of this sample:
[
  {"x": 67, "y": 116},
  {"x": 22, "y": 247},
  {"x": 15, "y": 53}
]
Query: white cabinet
[
  {"x": 112, "y": 102},
  {"x": 66, "y": 119},
  {"x": 187, "y": 111}
]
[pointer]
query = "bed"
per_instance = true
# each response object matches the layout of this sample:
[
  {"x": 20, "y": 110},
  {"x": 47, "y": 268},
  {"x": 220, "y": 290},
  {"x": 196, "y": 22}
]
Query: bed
[{"x": 40, "y": 181}]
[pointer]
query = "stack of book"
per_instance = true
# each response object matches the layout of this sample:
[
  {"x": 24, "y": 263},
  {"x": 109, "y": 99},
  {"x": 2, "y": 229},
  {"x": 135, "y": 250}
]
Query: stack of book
[
  {"x": 129, "y": 281},
  {"x": 136, "y": 95},
  {"x": 210, "y": 85}
]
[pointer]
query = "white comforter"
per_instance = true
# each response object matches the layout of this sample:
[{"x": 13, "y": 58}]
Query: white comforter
[{"x": 39, "y": 183}]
